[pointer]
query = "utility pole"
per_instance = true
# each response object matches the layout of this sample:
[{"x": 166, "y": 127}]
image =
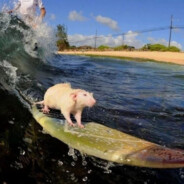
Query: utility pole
[
  {"x": 95, "y": 39},
  {"x": 170, "y": 34},
  {"x": 123, "y": 39}
]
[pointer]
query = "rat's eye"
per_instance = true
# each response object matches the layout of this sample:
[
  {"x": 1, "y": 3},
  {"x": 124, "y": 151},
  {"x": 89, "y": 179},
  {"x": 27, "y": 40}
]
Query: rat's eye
[{"x": 84, "y": 94}]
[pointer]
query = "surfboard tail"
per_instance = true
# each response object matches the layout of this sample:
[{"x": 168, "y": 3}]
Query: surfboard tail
[
  {"x": 160, "y": 157},
  {"x": 152, "y": 156}
]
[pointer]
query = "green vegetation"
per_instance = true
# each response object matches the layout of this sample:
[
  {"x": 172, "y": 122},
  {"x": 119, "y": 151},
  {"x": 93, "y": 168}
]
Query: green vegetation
[
  {"x": 103, "y": 47},
  {"x": 73, "y": 47},
  {"x": 121, "y": 47},
  {"x": 85, "y": 47},
  {"x": 159, "y": 47},
  {"x": 124, "y": 47},
  {"x": 62, "y": 42},
  {"x": 155, "y": 47},
  {"x": 173, "y": 49}
]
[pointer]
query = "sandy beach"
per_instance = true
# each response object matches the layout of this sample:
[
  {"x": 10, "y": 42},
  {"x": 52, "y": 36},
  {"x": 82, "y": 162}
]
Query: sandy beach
[{"x": 168, "y": 57}]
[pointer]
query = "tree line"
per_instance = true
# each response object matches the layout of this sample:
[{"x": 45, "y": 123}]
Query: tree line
[{"x": 63, "y": 44}]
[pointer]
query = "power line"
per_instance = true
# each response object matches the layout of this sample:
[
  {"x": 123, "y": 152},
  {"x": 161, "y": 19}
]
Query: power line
[
  {"x": 123, "y": 39},
  {"x": 122, "y": 34},
  {"x": 129, "y": 33},
  {"x": 95, "y": 38},
  {"x": 170, "y": 32}
]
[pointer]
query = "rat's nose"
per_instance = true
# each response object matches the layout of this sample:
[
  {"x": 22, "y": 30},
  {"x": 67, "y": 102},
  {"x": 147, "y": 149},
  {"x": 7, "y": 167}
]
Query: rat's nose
[{"x": 93, "y": 102}]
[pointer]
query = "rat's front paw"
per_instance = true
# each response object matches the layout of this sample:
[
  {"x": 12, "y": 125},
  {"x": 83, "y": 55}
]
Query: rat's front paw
[
  {"x": 71, "y": 124},
  {"x": 80, "y": 126}
]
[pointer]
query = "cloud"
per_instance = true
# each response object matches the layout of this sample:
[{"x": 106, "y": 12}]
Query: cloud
[
  {"x": 176, "y": 44},
  {"x": 129, "y": 39},
  {"x": 76, "y": 16},
  {"x": 132, "y": 40},
  {"x": 108, "y": 22},
  {"x": 164, "y": 42},
  {"x": 79, "y": 39}
]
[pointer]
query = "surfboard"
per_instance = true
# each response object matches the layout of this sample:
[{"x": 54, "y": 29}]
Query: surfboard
[{"x": 109, "y": 144}]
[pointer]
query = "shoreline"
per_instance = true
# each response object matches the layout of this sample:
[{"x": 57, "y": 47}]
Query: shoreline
[{"x": 164, "y": 57}]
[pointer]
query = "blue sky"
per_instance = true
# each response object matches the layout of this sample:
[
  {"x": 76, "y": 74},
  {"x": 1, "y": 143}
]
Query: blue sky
[{"x": 83, "y": 17}]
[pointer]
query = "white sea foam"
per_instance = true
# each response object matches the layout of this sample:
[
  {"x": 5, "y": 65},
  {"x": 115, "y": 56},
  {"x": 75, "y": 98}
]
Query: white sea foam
[
  {"x": 11, "y": 71},
  {"x": 40, "y": 34},
  {"x": 72, "y": 153},
  {"x": 46, "y": 38}
]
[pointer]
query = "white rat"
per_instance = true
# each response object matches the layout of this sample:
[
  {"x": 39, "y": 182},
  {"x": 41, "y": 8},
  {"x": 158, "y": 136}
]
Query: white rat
[{"x": 69, "y": 101}]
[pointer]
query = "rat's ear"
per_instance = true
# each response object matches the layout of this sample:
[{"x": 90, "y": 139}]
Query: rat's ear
[{"x": 74, "y": 96}]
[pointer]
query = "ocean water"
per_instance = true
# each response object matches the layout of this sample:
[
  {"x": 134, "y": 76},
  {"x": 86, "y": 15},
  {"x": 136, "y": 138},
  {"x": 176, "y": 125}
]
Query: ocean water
[{"x": 144, "y": 99}]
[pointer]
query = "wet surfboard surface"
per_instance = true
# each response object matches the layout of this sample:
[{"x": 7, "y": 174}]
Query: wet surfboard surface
[{"x": 110, "y": 144}]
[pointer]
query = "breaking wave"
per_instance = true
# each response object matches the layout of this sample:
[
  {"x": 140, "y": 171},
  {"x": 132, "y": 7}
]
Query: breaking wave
[{"x": 22, "y": 51}]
